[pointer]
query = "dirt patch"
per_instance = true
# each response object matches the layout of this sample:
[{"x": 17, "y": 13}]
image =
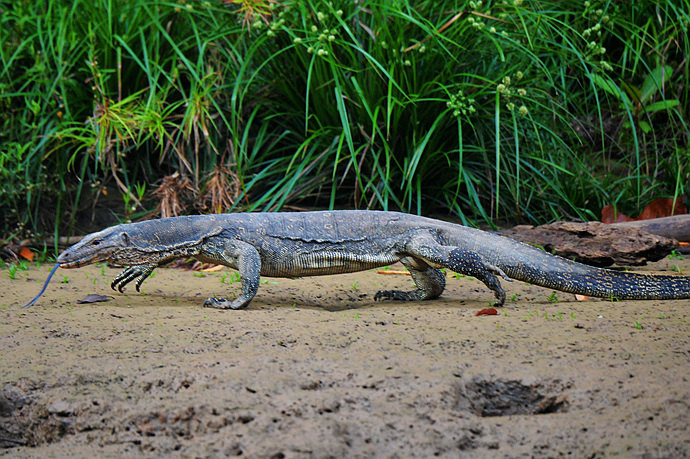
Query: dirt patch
[
  {"x": 316, "y": 368},
  {"x": 502, "y": 397}
]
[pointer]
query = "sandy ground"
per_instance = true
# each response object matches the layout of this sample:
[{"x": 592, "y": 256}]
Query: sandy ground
[{"x": 316, "y": 368}]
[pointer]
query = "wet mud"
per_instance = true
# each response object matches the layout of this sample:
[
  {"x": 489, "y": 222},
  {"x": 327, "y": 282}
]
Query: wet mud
[{"x": 316, "y": 368}]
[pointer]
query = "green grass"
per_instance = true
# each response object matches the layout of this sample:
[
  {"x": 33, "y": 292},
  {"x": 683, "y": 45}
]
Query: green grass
[
  {"x": 12, "y": 271},
  {"x": 520, "y": 111}
]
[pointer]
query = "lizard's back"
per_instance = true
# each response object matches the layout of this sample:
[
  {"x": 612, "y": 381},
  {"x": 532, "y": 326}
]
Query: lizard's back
[{"x": 317, "y": 243}]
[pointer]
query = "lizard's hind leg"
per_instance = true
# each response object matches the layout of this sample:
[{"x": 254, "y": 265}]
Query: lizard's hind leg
[
  {"x": 430, "y": 283},
  {"x": 471, "y": 264},
  {"x": 423, "y": 246}
]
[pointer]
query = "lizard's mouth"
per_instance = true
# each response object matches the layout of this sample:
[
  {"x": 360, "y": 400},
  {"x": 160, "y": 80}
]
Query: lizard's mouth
[{"x": 66, "y": 260}]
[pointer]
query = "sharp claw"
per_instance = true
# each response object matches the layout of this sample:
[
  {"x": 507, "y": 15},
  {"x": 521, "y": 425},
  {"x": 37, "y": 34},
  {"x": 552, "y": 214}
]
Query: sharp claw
[
  {"x": 222, "y": 303},
  {"x": 496, "y": 270},
  {"x": 382, "y": 295}
]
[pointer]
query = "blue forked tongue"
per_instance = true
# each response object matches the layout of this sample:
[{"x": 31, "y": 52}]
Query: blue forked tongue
[{"x": 50, "y": 276}]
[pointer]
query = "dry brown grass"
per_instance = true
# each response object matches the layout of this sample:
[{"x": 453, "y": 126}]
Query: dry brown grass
[
  {"x": 222, "y": 190},
  {"x": 176, "y": 193}
]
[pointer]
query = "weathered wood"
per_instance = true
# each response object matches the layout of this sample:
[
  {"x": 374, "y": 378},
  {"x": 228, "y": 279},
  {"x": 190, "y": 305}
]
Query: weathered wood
[
  {"x": 676, "y": 227},
  {"x": 595, "y": 243}
]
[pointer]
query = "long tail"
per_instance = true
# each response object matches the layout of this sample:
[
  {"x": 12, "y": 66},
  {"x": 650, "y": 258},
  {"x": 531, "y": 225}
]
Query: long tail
[
  {"x": 530, "y": 264},
  {"x": 604, "y": 283}
]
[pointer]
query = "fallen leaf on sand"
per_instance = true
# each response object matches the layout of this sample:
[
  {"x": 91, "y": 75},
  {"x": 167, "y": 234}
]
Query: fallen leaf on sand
[
  {"x": 390, "y": 271},
  {"x": 94, "y": 299},
  {"x": 213, "y": 269},
  {"x": 487, "y": 312}
]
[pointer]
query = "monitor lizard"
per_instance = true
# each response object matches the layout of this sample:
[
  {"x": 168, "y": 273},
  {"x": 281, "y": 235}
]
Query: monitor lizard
[{"x": 295, "y": 244}]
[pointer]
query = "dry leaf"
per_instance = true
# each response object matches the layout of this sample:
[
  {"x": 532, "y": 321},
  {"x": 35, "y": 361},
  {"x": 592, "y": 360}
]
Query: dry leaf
[
  {"x": 26, "y": 253},
  {"x": 213, "y": 269},
  {"x": 92, "y": 298},
  {"x": 399, "y": 273}
]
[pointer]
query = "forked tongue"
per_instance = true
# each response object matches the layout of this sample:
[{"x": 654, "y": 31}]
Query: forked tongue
[{"x": 50, "y": 276}]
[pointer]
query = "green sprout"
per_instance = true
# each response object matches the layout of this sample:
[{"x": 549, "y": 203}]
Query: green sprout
[{"x": 675, "y": 255}]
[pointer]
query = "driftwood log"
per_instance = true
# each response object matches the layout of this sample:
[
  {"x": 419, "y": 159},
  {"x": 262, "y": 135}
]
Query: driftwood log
[
  {"x": 595, "y": 243},
  {"x": 676, "y": 227}
]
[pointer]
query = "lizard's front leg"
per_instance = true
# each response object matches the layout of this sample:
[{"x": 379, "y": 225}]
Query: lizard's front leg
[
  {"x": 241, "y": 256},
  {"x": 139, "y": 272}
]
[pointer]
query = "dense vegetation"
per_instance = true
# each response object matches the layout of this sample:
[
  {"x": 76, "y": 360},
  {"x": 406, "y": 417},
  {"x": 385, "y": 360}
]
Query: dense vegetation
[{"x": 516, "y": 110}]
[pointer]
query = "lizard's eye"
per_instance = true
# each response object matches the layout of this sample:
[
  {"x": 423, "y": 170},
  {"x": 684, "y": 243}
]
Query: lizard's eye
[{"x": 96, "y": 242}]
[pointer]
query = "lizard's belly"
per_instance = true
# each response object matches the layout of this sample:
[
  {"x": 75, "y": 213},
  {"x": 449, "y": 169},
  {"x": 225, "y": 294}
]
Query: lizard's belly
[{"x": 319, "y": 263}]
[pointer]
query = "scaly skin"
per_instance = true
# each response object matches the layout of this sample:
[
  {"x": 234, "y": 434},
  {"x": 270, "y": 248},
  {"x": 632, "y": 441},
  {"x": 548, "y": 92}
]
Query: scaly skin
[{"x": 318, "y": 243}]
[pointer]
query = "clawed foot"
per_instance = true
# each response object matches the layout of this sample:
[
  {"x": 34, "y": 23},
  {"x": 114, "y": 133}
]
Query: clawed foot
[
  {"x": 497, "y": 270},
  {"x": 129, "y": 274},
  {"x": 222, "y": 303},
  {"x": 491, "y": 281},
  {"x": 397, "y": 295},
  {"x": 500, "y": 296}
]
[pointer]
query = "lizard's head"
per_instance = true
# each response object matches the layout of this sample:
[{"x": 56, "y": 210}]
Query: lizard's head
[{"x": 101, "y": 246}]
